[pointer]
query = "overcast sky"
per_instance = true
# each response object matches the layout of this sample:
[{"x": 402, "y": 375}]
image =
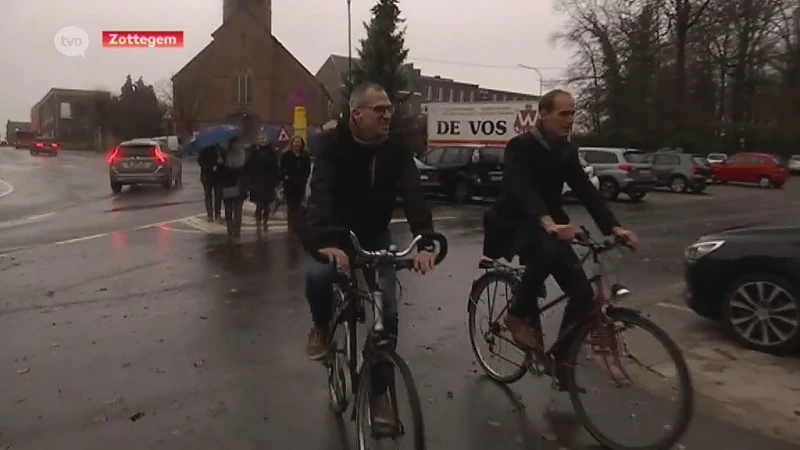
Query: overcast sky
[{"x": 470, "y": 33}]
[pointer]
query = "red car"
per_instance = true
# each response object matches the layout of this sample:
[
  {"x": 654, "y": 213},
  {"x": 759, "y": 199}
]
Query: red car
[
  {"x": 762, "y": 168},
  {"x": 45, "y": 146}
]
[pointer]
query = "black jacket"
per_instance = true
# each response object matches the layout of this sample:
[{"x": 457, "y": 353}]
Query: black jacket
[
  {"x": 534, "y": 173},
  {"x": 207, "y": 159},
  {"x": 295, "y": 170},
  {"x": 345, "y": 193},
  {"x": 262, "y": 172}
]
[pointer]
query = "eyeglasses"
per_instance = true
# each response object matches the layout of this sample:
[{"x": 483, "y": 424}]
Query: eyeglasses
[{"x": 382, "y": 109}]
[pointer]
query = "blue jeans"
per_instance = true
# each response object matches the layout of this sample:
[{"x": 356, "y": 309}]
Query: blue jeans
[{"x": 319, "y": 292}]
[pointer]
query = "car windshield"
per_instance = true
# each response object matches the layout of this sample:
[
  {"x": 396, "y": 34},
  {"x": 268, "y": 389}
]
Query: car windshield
[
  {"x": 699, "y": 161},
  {"x": 494, "y": 154},
  {"x": 635, "y": 157}
]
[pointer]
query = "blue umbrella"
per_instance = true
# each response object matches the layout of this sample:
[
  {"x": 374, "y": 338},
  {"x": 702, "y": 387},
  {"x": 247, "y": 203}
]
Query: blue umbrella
[{"x": 218, "y": 134}]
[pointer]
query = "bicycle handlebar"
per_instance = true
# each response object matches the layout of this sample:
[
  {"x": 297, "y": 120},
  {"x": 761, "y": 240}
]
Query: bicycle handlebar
[
  {"x": 584, "y": 239},
  {"x": 392, "y": 253}
]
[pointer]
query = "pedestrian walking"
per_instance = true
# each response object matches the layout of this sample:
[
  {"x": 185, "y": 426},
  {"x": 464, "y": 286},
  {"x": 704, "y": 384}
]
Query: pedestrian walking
[
  {"x": 295, "y": 169},
  {"x": 263, "y": 176},
  {"x": 209, "y": 159},
  {"x": 234, "y": 190}
]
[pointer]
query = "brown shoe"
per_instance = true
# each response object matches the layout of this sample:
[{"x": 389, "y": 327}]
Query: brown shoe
[
  {"x": 523, "y": 334},
  {"x": 317, "y": 346}
]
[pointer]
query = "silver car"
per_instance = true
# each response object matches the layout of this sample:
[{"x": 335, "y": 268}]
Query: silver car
[
  {"x": 620, "y": 170},
  {"x": 143, "y": 161},
  {"x": 794, "y": 164}
]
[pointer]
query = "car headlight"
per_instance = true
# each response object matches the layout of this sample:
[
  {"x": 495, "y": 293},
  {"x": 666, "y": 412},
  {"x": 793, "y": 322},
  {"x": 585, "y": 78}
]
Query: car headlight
[{"x": 701, "y": 249}]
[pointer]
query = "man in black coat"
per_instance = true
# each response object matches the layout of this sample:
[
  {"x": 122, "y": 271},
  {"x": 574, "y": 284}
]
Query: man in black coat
[
  {"x": 536, "y": 166},
  {"x": 263, "y": 175},
  {"x": 209, "y": 159},
  {"x": 358, "y": 172}
]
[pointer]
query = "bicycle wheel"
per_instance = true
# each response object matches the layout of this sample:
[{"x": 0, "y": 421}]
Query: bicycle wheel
[
  {"x": 617, "y": 351},
  {"x": 337, "y": 363},
  {"x": 365, "y": 432},
  {"x": 493, "y": 332}
]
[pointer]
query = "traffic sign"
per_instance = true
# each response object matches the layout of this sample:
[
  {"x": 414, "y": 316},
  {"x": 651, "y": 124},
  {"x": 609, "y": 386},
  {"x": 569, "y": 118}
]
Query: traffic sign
[{"x": 283, "y": 135}]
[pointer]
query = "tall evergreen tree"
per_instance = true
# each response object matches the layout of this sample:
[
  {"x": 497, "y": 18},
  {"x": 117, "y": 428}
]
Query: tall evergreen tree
[{"x": 382, "y": 53}]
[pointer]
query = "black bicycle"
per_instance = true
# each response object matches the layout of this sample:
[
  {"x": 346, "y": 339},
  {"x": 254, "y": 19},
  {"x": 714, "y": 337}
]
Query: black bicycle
[
  {"x": 602, "y": 326},
  {"x": 345, "y": 376}
]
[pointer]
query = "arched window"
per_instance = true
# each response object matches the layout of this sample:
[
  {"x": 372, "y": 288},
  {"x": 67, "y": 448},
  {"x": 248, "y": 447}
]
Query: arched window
[{"x": 242, "y": 87}]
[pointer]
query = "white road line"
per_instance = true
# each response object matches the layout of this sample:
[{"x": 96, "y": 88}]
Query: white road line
[
  {"x": 82, "y": 238},
  {"x": 675, "y": 307},
  {"x": 26, "y": 220},
  {"x": 8, "y": 190}
]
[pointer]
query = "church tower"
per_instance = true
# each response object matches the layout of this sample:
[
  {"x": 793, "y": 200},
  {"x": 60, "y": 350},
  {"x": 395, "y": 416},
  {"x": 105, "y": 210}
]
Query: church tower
[{"x": 260, "y": 8}]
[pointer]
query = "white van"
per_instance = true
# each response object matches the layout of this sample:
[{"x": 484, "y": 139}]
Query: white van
[{"x": 171, "y": 143}]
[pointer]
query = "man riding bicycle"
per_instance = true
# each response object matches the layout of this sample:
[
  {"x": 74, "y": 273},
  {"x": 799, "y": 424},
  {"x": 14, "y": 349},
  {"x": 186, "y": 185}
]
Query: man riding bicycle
[
  {"x": 529, "y": 220},
  {"x": 358, "y": 173}
]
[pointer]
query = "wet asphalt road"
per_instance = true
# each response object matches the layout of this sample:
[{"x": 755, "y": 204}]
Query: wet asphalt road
[{"x": 113, "y": 307}]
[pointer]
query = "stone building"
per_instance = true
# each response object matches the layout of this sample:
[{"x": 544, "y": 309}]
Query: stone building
[
  {"x": 245, "y": 76},
  {"x": 68, "y": 115}
]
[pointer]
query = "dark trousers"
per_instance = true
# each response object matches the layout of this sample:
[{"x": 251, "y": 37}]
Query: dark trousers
[
  {"x": 263, "y": 208},
  {"x": 294, "y": 200},
  {"x": 553, "y": 257},
  {"x": 319, "y": 292},
  {"x": 233, "y": 216},
  {"x": 213, "y": 197}
]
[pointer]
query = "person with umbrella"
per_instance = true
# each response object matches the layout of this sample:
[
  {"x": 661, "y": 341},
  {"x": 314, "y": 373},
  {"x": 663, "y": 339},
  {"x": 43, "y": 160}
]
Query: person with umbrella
[
  {"x": 295, "y": 168},
  {"x": 263, "y": 176},
  {"x": 209, "y": 159},
  {"x": 234, "y": 192}
]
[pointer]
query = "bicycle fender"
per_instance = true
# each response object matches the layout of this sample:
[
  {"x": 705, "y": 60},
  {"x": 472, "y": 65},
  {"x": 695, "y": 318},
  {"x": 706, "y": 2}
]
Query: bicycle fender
[
  {"x": 612, "y": 309},
  {"x": 511, "y": 279}
]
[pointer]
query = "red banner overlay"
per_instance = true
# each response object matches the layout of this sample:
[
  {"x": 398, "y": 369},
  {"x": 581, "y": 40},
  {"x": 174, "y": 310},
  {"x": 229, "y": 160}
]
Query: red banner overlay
[{"x": 143, "y": 39}]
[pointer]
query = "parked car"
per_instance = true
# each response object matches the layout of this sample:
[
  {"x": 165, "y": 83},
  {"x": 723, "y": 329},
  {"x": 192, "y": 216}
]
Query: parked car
[
  {"x": 714, "y": 158},
  {"x": 466, "y": 171},
  {"x": 567, "y": 190},
  {"x": 620, "y": 170},
  {"x": 762, "y": 168},
  {"x": 681, "y": 172},
  {"x": 428, "y": 177},
  {"x": 143, "y": 161},
  {"x": 748, "y": 281},
  {"x": 794, "y": 164},
  {"x": 45, "y": 146}
]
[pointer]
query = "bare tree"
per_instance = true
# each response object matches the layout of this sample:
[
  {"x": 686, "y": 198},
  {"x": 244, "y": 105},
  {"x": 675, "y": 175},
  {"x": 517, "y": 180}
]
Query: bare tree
[
  {"x": 188, "y": 103},
  {"x": 164, "y": 95}
]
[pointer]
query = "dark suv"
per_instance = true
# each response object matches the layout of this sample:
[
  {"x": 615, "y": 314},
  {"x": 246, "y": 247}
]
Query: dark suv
[
  {"x": 681, "y": 172},
  {"x": 45, "y": 146},
  {"x": 467, "y": 171}
]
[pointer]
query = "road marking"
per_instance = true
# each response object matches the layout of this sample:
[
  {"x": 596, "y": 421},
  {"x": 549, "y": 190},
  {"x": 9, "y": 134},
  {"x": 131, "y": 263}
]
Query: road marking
[
  {"x": 82, "y": 238},
  {"x": 26, "y": 220},
  {"x": 8, "y": 190},
  {"x": 675, "y": 307}
]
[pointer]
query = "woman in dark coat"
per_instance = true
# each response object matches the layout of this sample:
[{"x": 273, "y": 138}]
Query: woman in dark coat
[
  {"x": 263, "y": 176},
  {"x": 234, "y": 191},
  {"x": 295, "y": 169},
  {"x": 208, "y": 159}
]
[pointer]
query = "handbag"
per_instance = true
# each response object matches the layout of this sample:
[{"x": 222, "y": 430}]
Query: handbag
[{"x": 232, "y": 192}]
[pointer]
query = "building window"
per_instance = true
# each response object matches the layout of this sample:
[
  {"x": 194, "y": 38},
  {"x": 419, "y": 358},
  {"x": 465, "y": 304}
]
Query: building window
[
  {"x": 452, "y": 95},
  {"x": 410, "y": 109},
  {"x": 472, "y": 96},
  {"x": 440, "y": 97},
  {"x": 461, "y": 96},
  {"x": 428, "y": 93},
  {"x": 242, "y": 87}
]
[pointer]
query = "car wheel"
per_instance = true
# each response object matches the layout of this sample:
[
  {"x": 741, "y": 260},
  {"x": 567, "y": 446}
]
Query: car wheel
[
  {"x": 762, "y": 312},
  {"x": 764, "y": 182},
  {"x": 179, "y": 181},
  {"x": 678, "y": 184},
  {"x": 461, "y": 193},
  {"x": 777, "y": 185},
  {"x": 116, "y": 187},
  {"x": 169, "y": 182},
  {"x": 609, "y": 188}
]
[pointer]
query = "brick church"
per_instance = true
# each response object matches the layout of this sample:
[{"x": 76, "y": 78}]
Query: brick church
[{"x": 244, "y": 76}]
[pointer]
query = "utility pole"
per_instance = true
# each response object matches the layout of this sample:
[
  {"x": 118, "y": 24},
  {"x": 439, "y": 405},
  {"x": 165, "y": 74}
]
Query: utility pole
[
  {"x": 541, "y": 79},
  {"x": 349, "y": 45}
]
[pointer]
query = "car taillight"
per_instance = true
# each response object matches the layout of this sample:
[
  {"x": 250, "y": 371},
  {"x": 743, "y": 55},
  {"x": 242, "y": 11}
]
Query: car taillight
[
  {"x": 39, "y": 144},
  {"x": 112, "y": 158},
  {"x": 626, "y": 167},
  {"x": 159, "y": 155},
  {"x": 54, "y": 145}
]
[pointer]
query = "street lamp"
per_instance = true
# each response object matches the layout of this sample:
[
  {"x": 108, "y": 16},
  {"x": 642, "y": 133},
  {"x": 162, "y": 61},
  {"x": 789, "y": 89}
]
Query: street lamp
[
  {"x": 349, "y": 45},
  {"x": 541, "y": 79}
]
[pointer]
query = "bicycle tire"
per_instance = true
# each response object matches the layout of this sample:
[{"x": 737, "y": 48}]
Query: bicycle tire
[
  {"x": 477, "y": 290},
  {"x": 362, "y": 403},
  {"x": 686, "y": 398},
  {"x": 340, "y": 400}
]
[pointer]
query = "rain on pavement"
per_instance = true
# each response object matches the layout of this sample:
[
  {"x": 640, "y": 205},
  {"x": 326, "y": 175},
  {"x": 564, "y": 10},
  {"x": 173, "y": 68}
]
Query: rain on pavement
[{"x": 127, "y": 320}]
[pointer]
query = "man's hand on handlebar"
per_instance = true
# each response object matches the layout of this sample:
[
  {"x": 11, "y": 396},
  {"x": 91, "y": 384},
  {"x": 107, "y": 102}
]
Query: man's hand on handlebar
[
  {"x": 629, "y": 236},
  {"x": 338, "y": 257},
  {"x": 562, "y": 232},
  {"x": 424, "y": 262}
]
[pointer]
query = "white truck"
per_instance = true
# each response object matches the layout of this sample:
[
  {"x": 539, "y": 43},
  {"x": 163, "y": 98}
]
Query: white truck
[{"x": 489, "y": 123}]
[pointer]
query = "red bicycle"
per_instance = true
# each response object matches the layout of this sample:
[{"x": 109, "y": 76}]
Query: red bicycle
[{"x": 599, "y": 332}]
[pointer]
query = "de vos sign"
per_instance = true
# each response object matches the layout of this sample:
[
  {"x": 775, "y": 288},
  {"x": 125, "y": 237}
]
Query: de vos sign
[{"x": 479, "y": 123}]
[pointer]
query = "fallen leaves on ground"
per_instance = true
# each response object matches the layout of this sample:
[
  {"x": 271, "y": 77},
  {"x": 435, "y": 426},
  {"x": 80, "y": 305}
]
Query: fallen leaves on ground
[
  {"x": 112, "y": 401},
  {"x": 23, "y": 371},
  {"x": 136, "y": 416},
  {"x": 199, "y": 363},
  {"x": 100, "y": 419}
]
